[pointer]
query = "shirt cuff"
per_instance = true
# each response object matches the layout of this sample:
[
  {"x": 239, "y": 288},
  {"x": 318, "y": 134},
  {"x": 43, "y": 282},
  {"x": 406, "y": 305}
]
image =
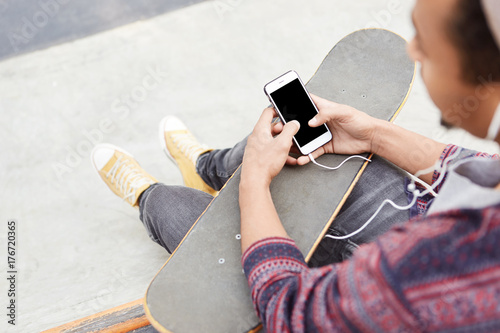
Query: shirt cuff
[{"x": 273, "y": 249}]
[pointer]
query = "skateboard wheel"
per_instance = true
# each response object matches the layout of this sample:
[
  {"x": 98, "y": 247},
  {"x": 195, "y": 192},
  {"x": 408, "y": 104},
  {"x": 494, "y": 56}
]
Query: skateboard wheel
[
  {"x": 238, "y": 236},
  {"x": 222, "y": 260}
]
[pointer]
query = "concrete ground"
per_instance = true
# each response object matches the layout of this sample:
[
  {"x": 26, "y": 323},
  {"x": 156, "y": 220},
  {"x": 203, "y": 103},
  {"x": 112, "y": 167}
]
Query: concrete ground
[{"x": 81, "y": 250}]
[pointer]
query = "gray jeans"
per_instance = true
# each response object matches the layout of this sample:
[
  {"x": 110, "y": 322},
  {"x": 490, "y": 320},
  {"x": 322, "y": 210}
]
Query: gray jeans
[{"x": 168, "y": 212}]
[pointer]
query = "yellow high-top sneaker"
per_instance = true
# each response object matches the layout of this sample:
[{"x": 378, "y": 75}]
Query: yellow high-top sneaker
[
  {"x": 121, "y": 172},
  {"x": 183, "y": 149}
]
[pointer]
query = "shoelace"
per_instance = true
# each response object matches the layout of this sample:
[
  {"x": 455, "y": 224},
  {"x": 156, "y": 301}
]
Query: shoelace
[
  {"x": 188, "y": 145},
  {"x": 127, "y": 175}
]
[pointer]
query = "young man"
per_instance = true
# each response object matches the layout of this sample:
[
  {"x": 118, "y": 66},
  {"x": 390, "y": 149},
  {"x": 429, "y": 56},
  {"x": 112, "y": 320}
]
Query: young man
[{"x": 439, "y": 271}]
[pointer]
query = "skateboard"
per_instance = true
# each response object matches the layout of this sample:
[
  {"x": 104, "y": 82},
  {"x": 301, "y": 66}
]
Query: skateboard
[{"x": 202, "y": 286}]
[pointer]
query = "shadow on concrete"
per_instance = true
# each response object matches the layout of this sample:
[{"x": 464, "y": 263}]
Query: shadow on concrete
[{"x": 30, "y": 25}]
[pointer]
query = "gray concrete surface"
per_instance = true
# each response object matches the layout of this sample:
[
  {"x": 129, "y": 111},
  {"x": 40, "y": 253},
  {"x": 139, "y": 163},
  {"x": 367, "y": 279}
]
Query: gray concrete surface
[{"x": 80, "y": 249}]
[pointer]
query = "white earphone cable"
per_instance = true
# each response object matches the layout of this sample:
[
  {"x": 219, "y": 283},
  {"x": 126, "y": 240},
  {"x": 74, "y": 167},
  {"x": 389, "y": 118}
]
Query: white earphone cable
[
  {"x": 414, "y": 200},
  {"x": 411, "y": 187},
  {"x": 340, "y": 165}
]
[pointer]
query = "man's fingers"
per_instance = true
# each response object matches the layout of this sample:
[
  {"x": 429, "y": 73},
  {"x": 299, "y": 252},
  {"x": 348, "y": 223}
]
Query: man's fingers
[
  {"x": 289, "y": 130},
  {"x": 321, "y": 102},
  {"x": 326, "y": 111},
  {"x": 277, "y": 128},
  {"x": 324, "y": 115},
  {"x": 292, "y": 161},
  {"x": 318, "y": 120},
  {"x": 303, "y": 160},
  {"x": 318, "y": 100},
  {"x": 266, "y": 118}
]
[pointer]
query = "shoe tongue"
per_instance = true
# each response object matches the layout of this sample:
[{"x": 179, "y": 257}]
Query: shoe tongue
[{"x": 136, "y": 185}]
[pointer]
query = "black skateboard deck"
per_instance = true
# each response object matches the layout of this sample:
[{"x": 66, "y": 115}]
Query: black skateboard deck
[{"x": 202, "y": 286}]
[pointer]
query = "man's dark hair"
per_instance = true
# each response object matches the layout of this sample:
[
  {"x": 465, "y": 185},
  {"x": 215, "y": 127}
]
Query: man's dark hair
[{"x": 470, "y": 33}]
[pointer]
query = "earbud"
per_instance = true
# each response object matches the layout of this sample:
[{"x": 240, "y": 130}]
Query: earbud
[{"x": 411, "y": 187}]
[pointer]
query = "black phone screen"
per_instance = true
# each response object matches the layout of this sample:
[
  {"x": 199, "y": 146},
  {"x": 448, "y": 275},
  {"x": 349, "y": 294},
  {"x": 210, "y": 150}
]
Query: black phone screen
[{"x": 293, "y": 103}]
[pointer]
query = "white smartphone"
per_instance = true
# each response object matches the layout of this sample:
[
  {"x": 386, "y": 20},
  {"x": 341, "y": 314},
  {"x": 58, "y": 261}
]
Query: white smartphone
[{"x": 291, "y": 100}]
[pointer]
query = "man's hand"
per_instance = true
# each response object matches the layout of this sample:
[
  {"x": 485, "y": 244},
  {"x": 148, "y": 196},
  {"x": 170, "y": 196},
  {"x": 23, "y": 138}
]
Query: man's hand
[
  {"x": 267, "y": 149},
  {"x": 355, "y": 132},
  {"x": 352, "y": 130},
  {"x": 265, "y": 155}
]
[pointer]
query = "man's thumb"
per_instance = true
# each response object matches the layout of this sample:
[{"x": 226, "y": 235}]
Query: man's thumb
[
  {"x": 290, "y": 129},
  {"x": 316, "y": 121}
]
